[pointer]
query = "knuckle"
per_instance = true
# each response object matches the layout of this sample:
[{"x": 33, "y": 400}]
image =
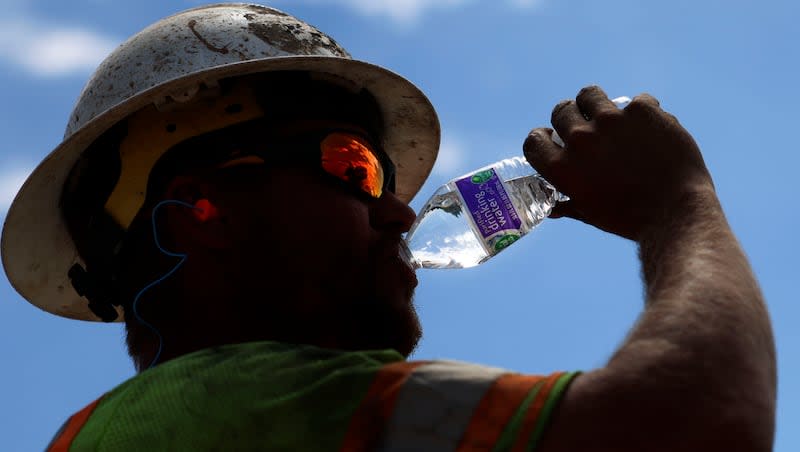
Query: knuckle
[
  {"x": 589, "y": 89},
  {"x": 533, "y": 140},
  {"x": 639, "y": 106},
  {"x": 673, "y": 118},
  {"x": 534, "y": 144},
  {"x": 560, "y": 108},
  {"x": 582, "y": 137},
  {"x": 651, "y": 99},
  {"x": 644, "y": 101},
  {"x": 537, "y": 150},
  {"x": 605, "y": 118}
]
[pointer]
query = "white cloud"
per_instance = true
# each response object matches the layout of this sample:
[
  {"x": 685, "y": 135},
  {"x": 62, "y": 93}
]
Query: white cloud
[
  {"x": 450, "y": 161},
  {"x": 49, "y": 51},
  {"x": 407, "y": 12},
  {"x": 403, "y": 11},
  {"x": 10, "y": 183}
]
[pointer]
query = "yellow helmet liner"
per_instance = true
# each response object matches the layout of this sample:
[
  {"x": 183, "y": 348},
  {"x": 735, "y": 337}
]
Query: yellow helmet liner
[{"x": 151, "y": 133}]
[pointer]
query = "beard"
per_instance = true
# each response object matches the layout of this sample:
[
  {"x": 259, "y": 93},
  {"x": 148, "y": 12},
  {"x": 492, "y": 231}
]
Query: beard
[
  {"x": 384, "y": 316},
  {"x": 361, "y": 304},
  {"x": 352, "y": 325},
  {"x": 375, "y": 325},
  {"x": 373, "y": 310}
]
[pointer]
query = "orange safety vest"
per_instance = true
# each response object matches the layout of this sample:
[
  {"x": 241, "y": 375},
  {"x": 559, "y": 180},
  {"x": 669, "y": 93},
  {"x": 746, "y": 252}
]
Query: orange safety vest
[{"x": 374, "y": 403}]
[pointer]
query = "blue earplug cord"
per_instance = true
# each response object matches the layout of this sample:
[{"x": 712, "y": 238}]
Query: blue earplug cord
[{"x": 161, "y": 279}]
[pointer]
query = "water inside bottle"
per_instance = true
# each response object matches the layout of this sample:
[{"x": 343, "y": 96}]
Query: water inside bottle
[{"x": 444, "y": 236}]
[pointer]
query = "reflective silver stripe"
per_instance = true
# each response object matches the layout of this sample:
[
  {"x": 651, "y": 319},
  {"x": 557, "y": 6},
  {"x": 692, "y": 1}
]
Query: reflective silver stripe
[{"x": 435, "y": 405}]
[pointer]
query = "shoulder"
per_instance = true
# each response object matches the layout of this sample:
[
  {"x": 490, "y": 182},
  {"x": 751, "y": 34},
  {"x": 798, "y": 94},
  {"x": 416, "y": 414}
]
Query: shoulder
[
  {"x": 423, "y": 405},
  {"x": 65, "y": 435}
]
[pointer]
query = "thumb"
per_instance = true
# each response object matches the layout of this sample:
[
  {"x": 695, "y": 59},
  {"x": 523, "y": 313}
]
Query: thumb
[{"x": 567, "y": 209}]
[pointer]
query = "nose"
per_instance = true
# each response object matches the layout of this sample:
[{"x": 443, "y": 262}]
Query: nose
[{"x": 390, "y": 213}]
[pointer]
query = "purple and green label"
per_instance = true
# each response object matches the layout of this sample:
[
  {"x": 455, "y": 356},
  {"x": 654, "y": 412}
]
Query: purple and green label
[{"x": 491, "y": 208}]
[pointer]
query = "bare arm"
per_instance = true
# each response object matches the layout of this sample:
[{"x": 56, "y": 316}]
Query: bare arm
[{"x": 697, "y": 371}]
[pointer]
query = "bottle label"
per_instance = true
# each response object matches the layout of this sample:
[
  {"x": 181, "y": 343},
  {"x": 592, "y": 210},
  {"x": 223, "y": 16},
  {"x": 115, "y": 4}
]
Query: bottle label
[{"x": 490, "y": 206}]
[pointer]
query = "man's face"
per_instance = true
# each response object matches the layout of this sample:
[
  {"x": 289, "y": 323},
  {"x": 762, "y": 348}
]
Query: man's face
[{"x": 316, "y": 261}]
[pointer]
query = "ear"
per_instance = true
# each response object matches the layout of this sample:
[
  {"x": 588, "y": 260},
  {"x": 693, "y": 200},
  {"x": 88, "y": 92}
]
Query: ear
[{"x": 205, "y": 224}]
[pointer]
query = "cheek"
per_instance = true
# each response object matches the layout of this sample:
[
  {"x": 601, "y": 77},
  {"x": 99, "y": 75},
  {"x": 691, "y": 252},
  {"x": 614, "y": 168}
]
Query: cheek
[
  {"x": 342, "y": 235},
  {"x": 331, "y": 238},
  {"x": 344, "y": 243},
  {"x": 312, "y": 228}
]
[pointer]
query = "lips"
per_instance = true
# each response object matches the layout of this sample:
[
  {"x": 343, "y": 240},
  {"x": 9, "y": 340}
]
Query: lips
[
  {"x": 405, "y": 255},
  {"x": 411, "y": 274},
  {"x": 393, "y": 256},
  {"x": 406, "y": 264}
]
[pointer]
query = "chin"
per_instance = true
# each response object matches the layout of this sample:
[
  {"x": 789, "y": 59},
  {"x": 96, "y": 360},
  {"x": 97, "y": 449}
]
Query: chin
[
  {"x": 383, "y": 315},
  {"x": 396, "y": 284},
  {"x": 383, "y": 323},
  {"x": 402, "y": 328}
]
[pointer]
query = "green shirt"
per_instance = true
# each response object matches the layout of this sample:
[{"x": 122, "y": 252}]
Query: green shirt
[{"x": 282, "y": 397}]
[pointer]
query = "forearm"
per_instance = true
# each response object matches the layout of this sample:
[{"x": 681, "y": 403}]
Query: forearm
[
  {"x": 703, "y": 346},
  {"x": 697, "y": 371}
]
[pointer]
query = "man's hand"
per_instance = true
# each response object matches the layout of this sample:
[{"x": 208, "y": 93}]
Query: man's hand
[
  {"x": 697, "y": 371},
  {"x": 624, "y": 170}
]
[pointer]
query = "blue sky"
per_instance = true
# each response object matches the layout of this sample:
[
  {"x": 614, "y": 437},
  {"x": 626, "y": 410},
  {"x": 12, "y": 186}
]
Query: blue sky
[{"x": 561, "y": 298}]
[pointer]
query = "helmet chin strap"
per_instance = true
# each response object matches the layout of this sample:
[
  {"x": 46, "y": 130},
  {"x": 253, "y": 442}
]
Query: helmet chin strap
[{"x": 99, "y": 291}]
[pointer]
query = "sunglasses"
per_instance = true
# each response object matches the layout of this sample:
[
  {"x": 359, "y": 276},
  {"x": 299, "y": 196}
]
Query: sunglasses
[{"x": 346, "y": 156}]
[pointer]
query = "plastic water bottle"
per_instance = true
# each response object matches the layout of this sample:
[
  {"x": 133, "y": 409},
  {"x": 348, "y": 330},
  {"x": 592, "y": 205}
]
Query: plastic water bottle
[{"x": 475, "y": 216}]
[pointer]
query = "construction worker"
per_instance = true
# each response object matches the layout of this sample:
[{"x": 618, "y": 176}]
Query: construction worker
[{"x": 234, "y": 187}]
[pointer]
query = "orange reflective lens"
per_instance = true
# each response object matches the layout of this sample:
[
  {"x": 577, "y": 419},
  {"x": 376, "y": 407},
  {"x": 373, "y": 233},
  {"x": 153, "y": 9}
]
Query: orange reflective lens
[{"x": 350, "y": 158}]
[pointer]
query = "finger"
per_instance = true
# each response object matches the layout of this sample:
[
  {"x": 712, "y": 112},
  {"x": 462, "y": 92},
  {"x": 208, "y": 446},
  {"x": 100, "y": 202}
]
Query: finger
[
  {"x": 644, "y": 101},
  {"x": 544, "y": 155},
  {"x": 567, "y": 209},
  {"x": 566, "y": 117},
  {"x": 593, "y": 102},
  {"x": 559, "y": 210}
]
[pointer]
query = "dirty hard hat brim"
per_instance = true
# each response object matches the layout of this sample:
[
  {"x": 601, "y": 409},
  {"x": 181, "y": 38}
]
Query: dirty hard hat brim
[{"x": 37, "y": 250}]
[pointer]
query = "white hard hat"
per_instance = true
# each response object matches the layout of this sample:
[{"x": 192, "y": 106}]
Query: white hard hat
[{"x": 170, "y": 61}]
